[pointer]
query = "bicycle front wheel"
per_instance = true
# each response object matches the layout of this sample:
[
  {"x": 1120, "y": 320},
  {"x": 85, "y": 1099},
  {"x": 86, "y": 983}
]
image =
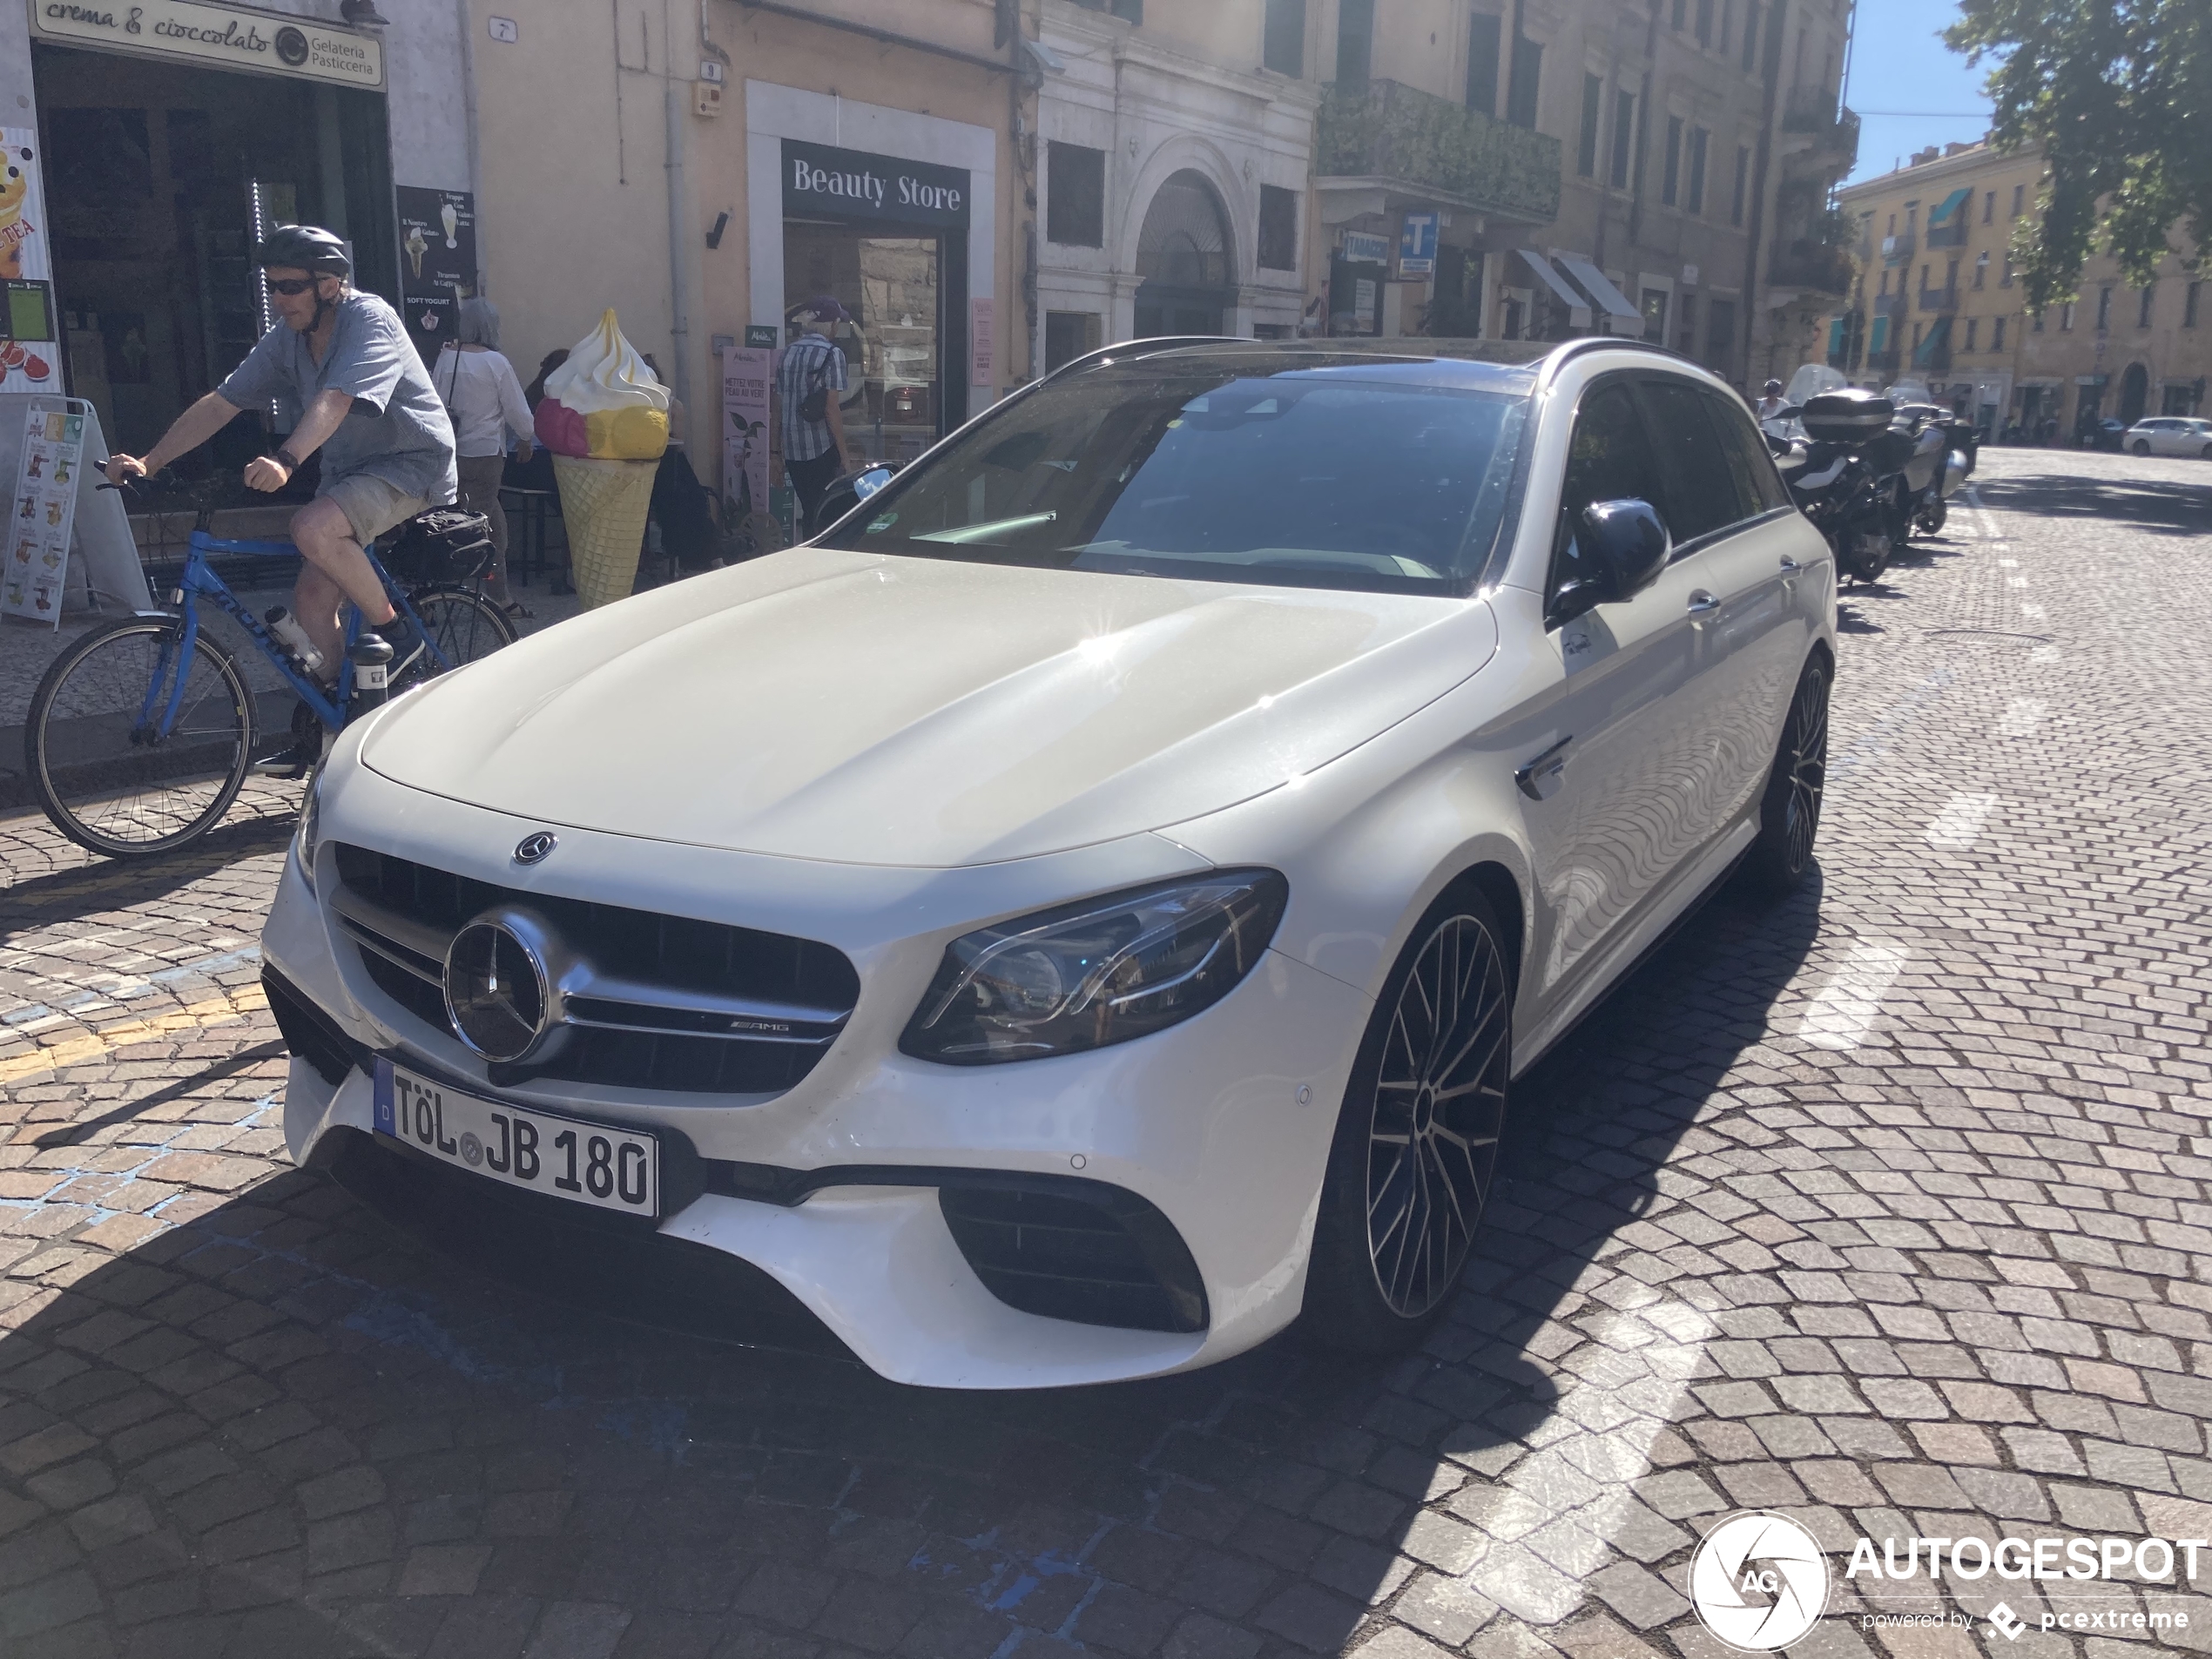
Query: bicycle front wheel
[
  {"x": 461, "y": 625},
  {"x": 107, "y": 777}
]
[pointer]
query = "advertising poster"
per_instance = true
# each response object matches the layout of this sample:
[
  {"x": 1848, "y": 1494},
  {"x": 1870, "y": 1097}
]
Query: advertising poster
[
  {"x": 747, "y": 372},
  {"x": 437, "y": 261},
  {"x": 40, "y": 515},
  {"x": 30, "y": 338}
]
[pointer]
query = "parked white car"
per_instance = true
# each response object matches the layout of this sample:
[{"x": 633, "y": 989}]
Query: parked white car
[
  {"x": 2170, "y": 435},
  {"x": 1089, "y": 904}
]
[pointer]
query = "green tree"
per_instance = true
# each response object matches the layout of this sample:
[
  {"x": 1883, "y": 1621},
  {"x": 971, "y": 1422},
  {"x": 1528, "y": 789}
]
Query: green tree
[{"x": 2117, "y": 94}]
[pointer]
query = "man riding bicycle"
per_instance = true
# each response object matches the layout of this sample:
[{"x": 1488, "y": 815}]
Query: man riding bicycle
[{"x": 341, "y": 360}]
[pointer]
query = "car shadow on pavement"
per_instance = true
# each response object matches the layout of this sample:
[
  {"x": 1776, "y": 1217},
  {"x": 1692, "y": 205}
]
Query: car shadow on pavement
[
  {"x": 100, "y": 884},
  {"x": 2158, "y": 505},
  {"x": 286, "y": 1426}
]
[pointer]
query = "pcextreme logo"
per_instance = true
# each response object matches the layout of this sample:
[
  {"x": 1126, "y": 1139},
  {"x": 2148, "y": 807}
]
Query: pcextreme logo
[{"x": 1759, "y": 1581}]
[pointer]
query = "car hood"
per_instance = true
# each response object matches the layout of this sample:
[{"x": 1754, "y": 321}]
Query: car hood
[{"x": 824, "y": 704}]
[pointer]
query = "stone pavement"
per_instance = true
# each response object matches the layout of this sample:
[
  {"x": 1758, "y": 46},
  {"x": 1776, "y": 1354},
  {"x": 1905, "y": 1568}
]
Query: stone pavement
[{"x": 1885, "y": 1208}]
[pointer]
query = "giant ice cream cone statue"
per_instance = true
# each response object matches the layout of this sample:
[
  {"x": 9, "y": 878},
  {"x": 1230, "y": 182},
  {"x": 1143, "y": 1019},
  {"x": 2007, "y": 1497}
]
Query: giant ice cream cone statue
[{"x": 606, "y": 420}]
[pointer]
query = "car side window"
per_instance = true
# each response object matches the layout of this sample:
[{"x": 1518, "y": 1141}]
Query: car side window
[
  {"x": 1609, "y": 458},
  {"x": 1752, "y": 462},
  {"x": 1703, "y": 490}
]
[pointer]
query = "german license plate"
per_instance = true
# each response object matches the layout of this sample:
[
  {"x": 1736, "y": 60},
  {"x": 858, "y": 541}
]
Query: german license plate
[{"x": 593, "y": 1164}]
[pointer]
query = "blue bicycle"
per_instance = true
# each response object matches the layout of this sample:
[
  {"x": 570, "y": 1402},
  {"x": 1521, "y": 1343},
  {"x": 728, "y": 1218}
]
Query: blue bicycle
[{"x": 144, "y": 729}]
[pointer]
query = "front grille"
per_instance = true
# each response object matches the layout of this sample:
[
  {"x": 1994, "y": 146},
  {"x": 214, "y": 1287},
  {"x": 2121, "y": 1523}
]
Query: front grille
[
  {"x": 1080, "y": 1250},
  {"x": 403, "y": 915}
]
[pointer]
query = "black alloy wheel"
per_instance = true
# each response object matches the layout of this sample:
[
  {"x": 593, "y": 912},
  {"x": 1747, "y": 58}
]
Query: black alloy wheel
[
  {"x": 1417, "y": 1141},
  {"x": 1789, "y": 810}
]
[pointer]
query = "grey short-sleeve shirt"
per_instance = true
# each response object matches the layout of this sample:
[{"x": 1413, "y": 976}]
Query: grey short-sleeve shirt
[{"x": 396, "y": 430}]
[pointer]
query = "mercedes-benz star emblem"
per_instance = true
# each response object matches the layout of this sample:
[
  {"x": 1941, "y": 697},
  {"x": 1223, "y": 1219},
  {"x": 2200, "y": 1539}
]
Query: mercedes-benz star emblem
[
  {"x": 533, "y": 848},
  {"x": 496, "y": 990}
]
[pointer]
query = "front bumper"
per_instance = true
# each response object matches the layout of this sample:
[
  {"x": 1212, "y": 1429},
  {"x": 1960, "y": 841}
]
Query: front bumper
[{"x": 1220, "y": 1125}]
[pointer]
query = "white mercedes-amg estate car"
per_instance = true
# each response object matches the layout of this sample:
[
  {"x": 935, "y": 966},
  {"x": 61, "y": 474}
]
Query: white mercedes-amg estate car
[{"x": 1086, "y": 909}]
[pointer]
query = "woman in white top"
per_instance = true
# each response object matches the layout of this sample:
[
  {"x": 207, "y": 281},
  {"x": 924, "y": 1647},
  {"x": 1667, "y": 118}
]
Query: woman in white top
[{"x": 485, "y": 401}]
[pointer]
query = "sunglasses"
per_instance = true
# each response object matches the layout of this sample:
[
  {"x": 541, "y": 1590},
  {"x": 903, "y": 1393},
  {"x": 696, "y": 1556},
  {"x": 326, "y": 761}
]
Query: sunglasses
[{"x": 290, "y": 287}]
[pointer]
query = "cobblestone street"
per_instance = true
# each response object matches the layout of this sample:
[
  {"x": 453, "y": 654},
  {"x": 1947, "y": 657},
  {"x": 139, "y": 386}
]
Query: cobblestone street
[{"x": 1889, "y": 1209}]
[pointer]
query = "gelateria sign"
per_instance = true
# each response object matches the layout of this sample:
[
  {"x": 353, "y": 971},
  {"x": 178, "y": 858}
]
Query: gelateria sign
[{"x": 217, "y": 36}]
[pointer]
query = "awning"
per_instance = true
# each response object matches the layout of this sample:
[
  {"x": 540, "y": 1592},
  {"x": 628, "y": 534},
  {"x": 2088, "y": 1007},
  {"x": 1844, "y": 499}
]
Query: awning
[
  {"x": 1610, "y": 300},
  {"x": 1878, "y": 338},
  {"x": 1552, "y": 280},
  {"x": 1939, "y": 336},
  {"x": 1947, "y": 206}
]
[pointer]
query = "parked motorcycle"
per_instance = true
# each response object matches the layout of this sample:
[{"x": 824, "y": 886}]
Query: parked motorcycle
[
  {"x": 1846, "y": 474},
  {"x": 1945, "y": 448}
]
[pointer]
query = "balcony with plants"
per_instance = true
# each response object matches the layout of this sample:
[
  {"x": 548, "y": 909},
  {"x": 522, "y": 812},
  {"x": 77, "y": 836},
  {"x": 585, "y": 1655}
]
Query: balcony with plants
[{"x": 1422, "y": 146}]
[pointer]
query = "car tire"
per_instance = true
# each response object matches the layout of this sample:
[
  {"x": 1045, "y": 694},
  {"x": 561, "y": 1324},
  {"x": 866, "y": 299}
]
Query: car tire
[
  {"x": 1416, "y": 1143},
  {"x": 2141, "y": 447},
  {"x": 1781, "y": 856}
]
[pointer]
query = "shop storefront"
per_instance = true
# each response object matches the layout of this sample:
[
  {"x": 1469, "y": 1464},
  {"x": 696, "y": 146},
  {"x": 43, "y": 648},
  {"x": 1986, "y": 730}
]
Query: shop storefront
[
  {"x": 890, "y": 214},
  {"x": 172, "y": 134}
]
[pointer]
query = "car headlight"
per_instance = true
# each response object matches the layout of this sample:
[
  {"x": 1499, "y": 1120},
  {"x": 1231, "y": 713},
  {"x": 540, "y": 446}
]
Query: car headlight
[
  {"x": 310, "y": 826},
  {"x": 1103, "y": 971}
]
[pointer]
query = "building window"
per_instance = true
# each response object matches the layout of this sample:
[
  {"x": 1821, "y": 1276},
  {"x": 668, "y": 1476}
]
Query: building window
[
  {"x": 1997, "y": 335},
  {"x": 1886, "y": 285},
  {"x": 1917, "y": 327},
  {"x": 1075, "y": 195},
  {"x": 1720, "y": 330},
  {"x": 1482, "y": 63},
  {"x": 1697, "y": 192},
  {"x": 2020, "y": 195},
  {"x": 1670, "y": 181},
  {"x": 1911, "y": 217},
  {"x": 2066, "y": 318},
  {"x": 1355, "y": 41},
  {"x": 1973, "y": 326},
  {"x": 1282, "y": 42},
  {"x": 1704, "y": 22},
  {"x": 1750, "y": 38},
  {"x": 1593, "y": 107},
  {"x": 1981, "y": 270},
  {"x": 1682, "y": 17},
  {"x": 1686, "y": 324},
  {"x": 2142, "y": 306},
  {"x": 2035, "y": 324},
  {"x": 1728, "y": 33},
  {"x": 2104, "y": 308},
  {"x": 1924, "y": 279},
  {"x": 2188, "y": 305},
  {"x": 1950, "y": 276},
  {"x": 1278, "y": 227},
  {"x": 1742, "y": 184},
  {"x": 1891, "y": 230},
  {"x": 1624, "y": 134},
  {"x": 1067, "y": 336},
  {"x": 1527, "y": 74},
  {"x": 1988, "y": 206},
  {"x": 2005, "y": 280}
]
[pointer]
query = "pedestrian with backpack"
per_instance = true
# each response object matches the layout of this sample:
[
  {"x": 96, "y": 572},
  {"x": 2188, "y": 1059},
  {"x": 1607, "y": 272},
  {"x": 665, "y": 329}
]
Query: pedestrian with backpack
[{"x": 807, "y": 384}]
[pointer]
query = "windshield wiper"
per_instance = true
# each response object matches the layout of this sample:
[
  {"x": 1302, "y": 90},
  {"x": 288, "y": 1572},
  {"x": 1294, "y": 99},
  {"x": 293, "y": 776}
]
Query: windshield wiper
[{"x": 968, "y": 533}]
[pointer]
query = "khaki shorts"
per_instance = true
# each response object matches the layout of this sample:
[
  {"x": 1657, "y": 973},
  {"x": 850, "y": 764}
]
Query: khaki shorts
[{"x": 373, "y": 505}]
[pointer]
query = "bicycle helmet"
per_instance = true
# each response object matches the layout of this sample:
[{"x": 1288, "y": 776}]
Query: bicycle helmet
[{"x": 308, "y": 248}]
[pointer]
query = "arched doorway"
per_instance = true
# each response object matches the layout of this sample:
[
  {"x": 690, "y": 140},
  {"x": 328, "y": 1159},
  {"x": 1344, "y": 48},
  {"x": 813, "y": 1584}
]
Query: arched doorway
[
  {"x": 1183, "y": 257},
  {"x": 2135, "y": 393}
]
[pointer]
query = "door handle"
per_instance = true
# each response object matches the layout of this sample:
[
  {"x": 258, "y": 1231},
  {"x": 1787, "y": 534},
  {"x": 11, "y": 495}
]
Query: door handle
[
  {"x": 1790, "y": 566},
  {"x": 1700, "y": 602},
  {"x": 1540, "y": 778}
]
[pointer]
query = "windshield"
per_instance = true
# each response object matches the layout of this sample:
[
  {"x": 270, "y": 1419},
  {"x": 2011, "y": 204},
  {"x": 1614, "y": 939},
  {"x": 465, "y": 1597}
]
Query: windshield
[
  {"x": 1812, "y": 380},
  {"x": 1327, "y": 477}
]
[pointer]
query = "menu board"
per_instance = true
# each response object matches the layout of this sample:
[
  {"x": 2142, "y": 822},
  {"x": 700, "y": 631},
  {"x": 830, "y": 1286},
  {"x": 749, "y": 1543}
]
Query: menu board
[
  {"x": 437, "y": 261},
  {"x": 41, "y": 514},
  {"x": 746, "y": 371},
  {"x": 30, "y": 339}
]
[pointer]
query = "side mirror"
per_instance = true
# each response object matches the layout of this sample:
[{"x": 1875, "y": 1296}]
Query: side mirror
[
  {"x": 1622, "y": 546},
  {"x": 848, "y": 491}
]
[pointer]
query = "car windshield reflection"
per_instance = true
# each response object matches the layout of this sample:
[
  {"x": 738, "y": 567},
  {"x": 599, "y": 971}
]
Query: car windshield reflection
[{"x": 1314, "y": 474}]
